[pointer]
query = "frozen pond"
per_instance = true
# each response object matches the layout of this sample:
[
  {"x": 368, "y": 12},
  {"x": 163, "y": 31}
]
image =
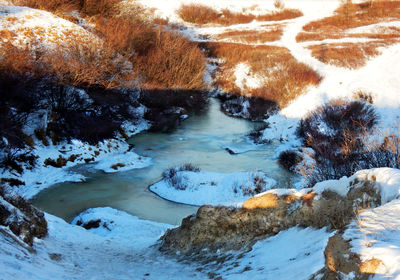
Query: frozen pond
[{"x": 200, "y": 140}]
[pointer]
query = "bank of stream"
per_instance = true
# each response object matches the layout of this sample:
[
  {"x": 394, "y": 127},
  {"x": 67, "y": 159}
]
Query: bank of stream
[{"x": 201, "y": 140}]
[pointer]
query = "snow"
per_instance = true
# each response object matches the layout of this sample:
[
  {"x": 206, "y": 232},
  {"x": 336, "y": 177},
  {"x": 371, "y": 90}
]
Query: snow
[
  {"x": 126, "y": 251},
  {"x": 295, "y": 253},
  {"x": 376, "y": 234},
  {"x": 387, "y": 183},
  {"x": 121, "y": 227},
  {"x": 212, "y": 188},
  {"x": 71, "y": 252},
  {"x": 244, "y": 78}
]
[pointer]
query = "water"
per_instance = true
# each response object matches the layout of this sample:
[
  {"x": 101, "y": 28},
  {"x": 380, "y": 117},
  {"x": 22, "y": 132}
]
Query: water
[{"x": 200, "y": 140}]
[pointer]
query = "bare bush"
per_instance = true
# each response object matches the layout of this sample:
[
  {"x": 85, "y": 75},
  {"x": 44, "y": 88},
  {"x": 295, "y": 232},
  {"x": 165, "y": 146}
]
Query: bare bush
[
  {"x": 289, "y": 160},
  {"x": 177, "y": 180},
  {"x": 336, "y": 133}
]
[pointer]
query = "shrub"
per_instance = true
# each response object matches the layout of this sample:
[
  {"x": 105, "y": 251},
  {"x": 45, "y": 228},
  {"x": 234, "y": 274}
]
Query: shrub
[
  {"x": 22, "y": 218},
  {"x": 96, "y": 7},
  {"x": 289, "y": 160},
  {"x": 252, "y": 108},
  {"x": 336, "y": 133},
  {"x": 199, "y": 14},
  {"x": 60, "y": 162}
]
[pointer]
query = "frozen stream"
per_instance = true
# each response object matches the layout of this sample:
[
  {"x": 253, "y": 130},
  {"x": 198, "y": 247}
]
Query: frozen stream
[{"x": 200, "y": 140}]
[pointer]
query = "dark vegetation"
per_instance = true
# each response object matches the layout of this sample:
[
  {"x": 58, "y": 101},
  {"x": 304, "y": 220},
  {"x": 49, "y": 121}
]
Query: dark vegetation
[
  {"x": 251, "y": 108},
  {"x": 167, "y": 107},
  {"x": 60, "y": 112},
  {"x": 339, "y": 135},
  {"x": 289, "y": 160}
]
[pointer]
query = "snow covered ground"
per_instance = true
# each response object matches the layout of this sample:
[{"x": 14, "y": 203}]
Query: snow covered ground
[
  {"x": 203, "y": 187},
  {"x": 123, "y": 250},
  {"x": 110, "y": 156}
]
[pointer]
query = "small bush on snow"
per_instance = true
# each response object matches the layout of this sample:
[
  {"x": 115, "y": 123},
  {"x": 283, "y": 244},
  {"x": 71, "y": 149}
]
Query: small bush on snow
[
  {"x": 289, "y": 159},
  {"x": 175, "y": 179}
]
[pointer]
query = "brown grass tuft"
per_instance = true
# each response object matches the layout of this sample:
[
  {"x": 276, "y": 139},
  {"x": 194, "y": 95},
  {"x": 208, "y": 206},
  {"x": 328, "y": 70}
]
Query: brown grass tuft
[
  {"x": 285, "y": 77},
  {"x": 201, "y": 14},
  {"x": 348, "y": 55},
  {"x": 252, "y": 36}
]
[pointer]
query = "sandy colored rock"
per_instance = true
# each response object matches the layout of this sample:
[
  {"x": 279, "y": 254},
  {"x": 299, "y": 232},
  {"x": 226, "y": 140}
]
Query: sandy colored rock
[
  {"x": 268, "y": 200},
  {"x": 370, "y": 266}
]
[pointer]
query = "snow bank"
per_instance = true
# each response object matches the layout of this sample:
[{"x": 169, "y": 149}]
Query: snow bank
[
  {"x": 376, "y": 234},
  {"x": 110, "y": 156},
  {"x": 387, "y": 183},
  {"x": 203, "y": 187},
  {"x": 121, "y": 227},
  {"x": 291, "y": 254}
]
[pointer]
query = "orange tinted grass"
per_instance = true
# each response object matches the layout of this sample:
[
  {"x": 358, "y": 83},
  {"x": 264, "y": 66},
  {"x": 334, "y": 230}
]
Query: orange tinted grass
[
  {"x": 75, "y": 61},
  {"x": 348, "y": 16},
  {"x": 285, "y": 77},
  {"x": 348, "y": 55},
  {"x": 201, "y": 14},
  {"x": 163, "y": 60},
  {"x": 252, "y": 36}
]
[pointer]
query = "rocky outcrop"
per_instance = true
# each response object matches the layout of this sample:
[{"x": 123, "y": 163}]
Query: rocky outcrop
[
  {"x": 340, "y": 262},
  {"x": 21, "y": 218},
  {"x": 228, "y": 228}
]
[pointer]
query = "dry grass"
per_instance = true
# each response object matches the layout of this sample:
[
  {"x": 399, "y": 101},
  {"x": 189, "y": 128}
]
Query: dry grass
[
  {"x": 87, "y": 7},
  {"x": 348, "y": 55},
  {"x": 252, "y": 36},
  {"x": 285, "y": 77},
  {"x": 201, "y": 14},
  {"x": 162, "y": 60},
  {"x": 348, "y": 16},
  {"x": 73, "y": 62},
  {"x": 50, "y": 5},
  {"x": 174, "y": 63}
]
